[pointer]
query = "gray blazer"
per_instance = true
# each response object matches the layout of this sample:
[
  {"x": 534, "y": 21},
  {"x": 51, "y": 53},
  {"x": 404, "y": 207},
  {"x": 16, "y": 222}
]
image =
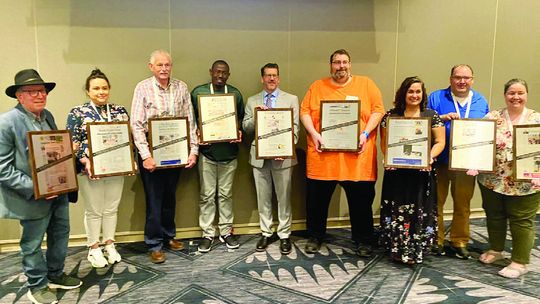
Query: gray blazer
[
  {"x": 284, "y": 100},
  {"x": 16, "y": 186}
]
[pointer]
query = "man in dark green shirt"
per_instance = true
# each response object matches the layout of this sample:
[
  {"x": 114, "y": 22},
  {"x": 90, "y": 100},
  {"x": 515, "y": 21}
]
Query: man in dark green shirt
[{"x": 217, "y": 165}]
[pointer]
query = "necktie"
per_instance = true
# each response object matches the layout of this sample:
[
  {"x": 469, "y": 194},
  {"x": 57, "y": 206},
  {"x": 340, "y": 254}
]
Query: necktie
[{"x": 268, "y": 100}]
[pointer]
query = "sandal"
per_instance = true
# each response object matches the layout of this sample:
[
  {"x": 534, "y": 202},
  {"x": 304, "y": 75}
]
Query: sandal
[
  {"x": 513, "y": 272},
  {"x": 490, "y": 257}
]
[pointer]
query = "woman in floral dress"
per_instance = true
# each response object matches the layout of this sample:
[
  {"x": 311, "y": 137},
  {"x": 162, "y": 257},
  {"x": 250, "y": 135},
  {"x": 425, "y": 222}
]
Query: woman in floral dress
[
  {"x": 409, "y": 198},
  {"x": 101, "y": 196}
]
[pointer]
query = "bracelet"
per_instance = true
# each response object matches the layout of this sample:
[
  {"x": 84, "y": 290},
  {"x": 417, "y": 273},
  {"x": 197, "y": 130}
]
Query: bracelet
[{"x": 366, "y": 134}]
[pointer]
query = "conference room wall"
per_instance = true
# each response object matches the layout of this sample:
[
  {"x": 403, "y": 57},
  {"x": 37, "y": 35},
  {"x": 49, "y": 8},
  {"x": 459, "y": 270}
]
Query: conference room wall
[{"x": 388, "y": 40}]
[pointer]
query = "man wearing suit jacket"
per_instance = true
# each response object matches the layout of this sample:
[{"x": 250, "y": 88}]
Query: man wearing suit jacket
[
  {"x": 277, "y": 170},
  {"x": 37, "y": 217}
]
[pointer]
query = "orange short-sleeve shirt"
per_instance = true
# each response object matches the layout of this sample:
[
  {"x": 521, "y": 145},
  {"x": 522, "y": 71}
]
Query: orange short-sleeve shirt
[{"x": 343, "y": 166}]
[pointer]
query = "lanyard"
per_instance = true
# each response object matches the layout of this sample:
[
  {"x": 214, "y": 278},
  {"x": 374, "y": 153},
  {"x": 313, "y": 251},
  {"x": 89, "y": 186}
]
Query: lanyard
[
  {"x": 169, "y": 105},
  {"x": 99, "y": 114},
  {"x": 457, "y": 107},
  {"x": 212, "y": 89}
]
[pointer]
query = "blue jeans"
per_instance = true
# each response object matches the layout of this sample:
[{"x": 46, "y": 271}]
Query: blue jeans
[
  {"x": 160, "y": 191},
  {"x": 56, "y": 224}
]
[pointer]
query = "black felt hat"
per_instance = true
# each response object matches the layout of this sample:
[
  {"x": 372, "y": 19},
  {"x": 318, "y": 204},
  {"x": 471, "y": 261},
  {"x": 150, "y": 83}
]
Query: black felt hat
[{"x": 28, "y": 77}]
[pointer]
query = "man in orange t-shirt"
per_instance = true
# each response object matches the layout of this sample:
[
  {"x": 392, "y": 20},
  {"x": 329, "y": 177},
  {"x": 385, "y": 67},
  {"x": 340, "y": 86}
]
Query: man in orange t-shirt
[{"x": 356, "y": 172}]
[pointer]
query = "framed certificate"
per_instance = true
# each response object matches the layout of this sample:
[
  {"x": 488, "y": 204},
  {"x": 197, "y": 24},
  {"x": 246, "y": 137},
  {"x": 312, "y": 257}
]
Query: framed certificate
[
  {"x": 408, "y": 142},
  {"x": 217, "y": 118},
  {"x": 339, "y": 125},
  {"x": 110, "y": 148},
  {"x": 472, "y": 145},
  {"x": 169, "y": 141},
  {"x": 274, "y": 133},
  {"x": 52, "y": 162},
  {"x": 526, "y": 150}
]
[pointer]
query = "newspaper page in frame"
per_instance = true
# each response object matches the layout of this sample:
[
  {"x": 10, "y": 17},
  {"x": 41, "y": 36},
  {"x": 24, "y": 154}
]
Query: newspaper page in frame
[
  {"x": 408, "y": 142},
  {"x": 339, "y": 125},
  {"x": 169, "y": 141},
  {"x": 110, "y": 148},
  {"x": 274, "y": 133},
  {"x": 472, "y": 145},
  {"x": 526, "y": 152},
  {"x": 217, "y": 118},
  {"x": 52, "y": 162}
]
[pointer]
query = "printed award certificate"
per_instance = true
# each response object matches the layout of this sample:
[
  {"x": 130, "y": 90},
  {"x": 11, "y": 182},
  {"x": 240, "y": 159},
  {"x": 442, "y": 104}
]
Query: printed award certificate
[
  {"x": 274, "y": 133},
  {"x": 408, "y": 142},
  {"x": 217, "y": 118},
  {"x": 339, "y": 125},
  {"x": 52, "y": 162},
  {"x": 169, "y": 141},
  {"x": 110, "y": 148},
  {"x": 472, "y": 145},
  {"x": 526, "y": 150}
]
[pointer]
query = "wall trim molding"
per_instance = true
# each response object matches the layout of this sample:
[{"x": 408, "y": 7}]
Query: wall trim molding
[{"x": 194, "y": 232}]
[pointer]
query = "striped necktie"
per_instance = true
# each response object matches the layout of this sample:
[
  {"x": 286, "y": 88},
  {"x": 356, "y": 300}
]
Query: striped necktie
[{"x": 268, "y": 100}]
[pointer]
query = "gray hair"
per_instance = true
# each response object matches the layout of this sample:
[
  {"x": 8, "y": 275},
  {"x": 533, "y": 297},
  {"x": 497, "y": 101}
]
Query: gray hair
[
  {"x": 513, "y": 81},
  {"x": 159, "y": 52}
]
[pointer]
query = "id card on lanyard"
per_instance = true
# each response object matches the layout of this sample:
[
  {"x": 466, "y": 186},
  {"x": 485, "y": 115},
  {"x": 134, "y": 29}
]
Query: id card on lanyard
[
  {"x": 101, "y": 118},
  {"x": 467, "y": 111}
]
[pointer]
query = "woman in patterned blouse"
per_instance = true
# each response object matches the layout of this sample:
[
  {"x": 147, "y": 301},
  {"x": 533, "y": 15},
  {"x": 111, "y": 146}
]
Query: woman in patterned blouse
[
  {"x": 503, "y": 198},
  {"x": 101, "y": 196}
]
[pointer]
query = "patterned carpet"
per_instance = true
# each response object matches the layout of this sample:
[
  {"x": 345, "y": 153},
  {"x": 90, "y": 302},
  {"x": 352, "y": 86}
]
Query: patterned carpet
[{"x": 335, "y": 275}]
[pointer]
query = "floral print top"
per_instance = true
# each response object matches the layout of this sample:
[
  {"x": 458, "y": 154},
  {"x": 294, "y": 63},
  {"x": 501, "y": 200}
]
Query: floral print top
[
  {"x": 79, "y": 116},
  {"x": 502, "y": 181}
]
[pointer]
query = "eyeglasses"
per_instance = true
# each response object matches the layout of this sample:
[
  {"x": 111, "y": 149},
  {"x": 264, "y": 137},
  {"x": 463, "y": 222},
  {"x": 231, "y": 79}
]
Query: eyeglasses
[
  {"x": 337, "y": 62},
  {"x": 465, "y": 78},
  {"x": 35, "y": 93}
]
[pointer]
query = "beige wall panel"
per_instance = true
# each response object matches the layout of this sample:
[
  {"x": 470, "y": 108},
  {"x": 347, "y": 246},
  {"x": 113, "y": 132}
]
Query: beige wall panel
[
  {"x": 17, "y": 30},
  {"x": 435, "y": 35},
  {"x": 517, "y": 50}
]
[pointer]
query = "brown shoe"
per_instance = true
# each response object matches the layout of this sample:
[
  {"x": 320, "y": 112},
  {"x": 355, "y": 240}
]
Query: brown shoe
[
  {"x": 175, "y": 245},
  {"x": 157, "y": 257}
]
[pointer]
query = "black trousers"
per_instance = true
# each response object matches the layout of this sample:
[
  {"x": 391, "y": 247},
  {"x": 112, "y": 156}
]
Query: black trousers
[
  {"x": 160, "y": 191},
  {"x": 360, "y": 197}
]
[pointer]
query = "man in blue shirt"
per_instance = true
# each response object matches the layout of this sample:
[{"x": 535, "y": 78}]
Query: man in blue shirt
[{"x": 458, "y": 101}]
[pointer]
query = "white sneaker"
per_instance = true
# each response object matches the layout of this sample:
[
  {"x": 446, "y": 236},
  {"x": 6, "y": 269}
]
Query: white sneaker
[
  {"x": 112, "y": 254},
  {"x": 96, "y": 258}
]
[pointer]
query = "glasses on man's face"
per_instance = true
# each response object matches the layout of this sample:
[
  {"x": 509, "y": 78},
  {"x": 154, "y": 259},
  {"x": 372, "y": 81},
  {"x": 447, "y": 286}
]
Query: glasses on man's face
[
  {"x": 339, "y": 62},
  {"x": 464, "y": 78},
  {"x": 35, "y": 93},
  {"x": 271, "y": 75}
]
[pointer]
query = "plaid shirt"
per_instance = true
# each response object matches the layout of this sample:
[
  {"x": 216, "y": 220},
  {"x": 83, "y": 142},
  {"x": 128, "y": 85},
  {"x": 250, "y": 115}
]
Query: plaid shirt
[{"x": 145, "y": 106}]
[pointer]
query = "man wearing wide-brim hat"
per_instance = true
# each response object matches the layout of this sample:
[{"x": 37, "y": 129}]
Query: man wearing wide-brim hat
[{"x": 37, "y": 217}]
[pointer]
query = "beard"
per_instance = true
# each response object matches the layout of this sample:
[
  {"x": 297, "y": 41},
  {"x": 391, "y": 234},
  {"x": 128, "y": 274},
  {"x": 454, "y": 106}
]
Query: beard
[{"x": 341, "y": 74}]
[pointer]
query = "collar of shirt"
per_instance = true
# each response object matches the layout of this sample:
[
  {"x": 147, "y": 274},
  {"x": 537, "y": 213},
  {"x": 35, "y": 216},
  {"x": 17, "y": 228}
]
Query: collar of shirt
[
  {"x": 274, "y": 95},
  {"x": 159, "y": 85}
]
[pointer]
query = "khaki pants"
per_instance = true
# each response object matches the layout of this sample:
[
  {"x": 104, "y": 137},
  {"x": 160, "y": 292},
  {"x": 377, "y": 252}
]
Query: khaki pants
[
  {"x": 462, "y": 190},
  {"x": 216, "y": 180}
]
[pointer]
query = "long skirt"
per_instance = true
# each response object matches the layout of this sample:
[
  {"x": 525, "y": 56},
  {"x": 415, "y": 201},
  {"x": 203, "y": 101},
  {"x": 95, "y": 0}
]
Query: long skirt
[{"x": 408, "y": 214}]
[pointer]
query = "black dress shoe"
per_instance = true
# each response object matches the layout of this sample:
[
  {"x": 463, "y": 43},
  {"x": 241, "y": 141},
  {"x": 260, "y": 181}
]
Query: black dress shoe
[
  {"x": 285, "y": 246},
  {"x": 364, "y": 250},
  {"x": 313, "y": 245},
  {"x": 262, "y": 243}
]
